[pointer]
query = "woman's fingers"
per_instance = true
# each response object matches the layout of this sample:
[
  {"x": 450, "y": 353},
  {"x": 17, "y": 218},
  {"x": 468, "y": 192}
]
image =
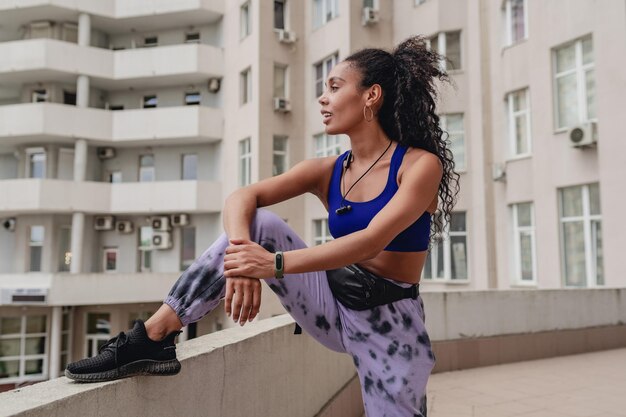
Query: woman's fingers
[
  {"x": 228, "y": 299},
  {"x": 247, "y": 303},
  {"x": 243, "y": 298},
  {"x": 256, "y": 301}
]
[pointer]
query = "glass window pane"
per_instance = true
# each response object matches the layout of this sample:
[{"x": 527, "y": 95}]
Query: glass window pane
[
  {"x": 279, "y": 14},
  {"x": 35, "y": 259},
  {"x": 428, "y": 273},
  {"x": 188, "y": 254},
  {"x": 587, "y": 51},
  {"x": 521, "y": 135},
  {"x": 33, "y": 367},
  {"x": 98, "y": 323},
  {"x": 190, "y": 167},
  {"x": 38, "y": 165},
  {"x": 110, "y": 260},
  {"x": 594, "y": 198},
  {"x": 9, "y": 369},
  {"x": 567, "y": 100},
  {"x": 574, "y": 254},
  {"x": 526, "y": 256},
  {"x": 35, "y": 346},
  {"x": 453, "y": 50},
  {"x": 454, "y": 122},
  {"x": 457, "y": 222},
  {"x": 459, "y": 257},
  {"x": 440, "y": 253},
  {"x": 434, "y": 43},
  {"x": 517, "y": 17},
  {"x": 36, "y": 234},
  {"x": 9, "y": 347},
  {"x": 571, "y": 201},
  {"x": 590, "y": 89},
  {"x": 65, "y": 254},
  {"x": 457, "y": 146},
  {"x": 146, "y": 160},
  {"x": 279, "y": 81},
  {"x": 519, "y": 101},
  {"x": 192, "y": 98},
  {"x": 35, "y": 324},
  {"x": 10, "y": 325},
  {"x": 65, "y": 322},
  {"x": 64, "y": 342},
  {"x": 524, "y": 214},
  {"x": 596, "y": 242},
  {"x": 145, "y": 237},
  {"x": 566, "y": 58}
]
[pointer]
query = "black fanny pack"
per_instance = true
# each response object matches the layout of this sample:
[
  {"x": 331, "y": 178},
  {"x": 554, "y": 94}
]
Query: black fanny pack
[{"x": 359, "y": 289}]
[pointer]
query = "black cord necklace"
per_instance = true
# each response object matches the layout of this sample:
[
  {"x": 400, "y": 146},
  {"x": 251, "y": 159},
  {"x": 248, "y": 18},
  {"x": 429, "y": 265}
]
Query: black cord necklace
[{"x": 346, "y": 208}]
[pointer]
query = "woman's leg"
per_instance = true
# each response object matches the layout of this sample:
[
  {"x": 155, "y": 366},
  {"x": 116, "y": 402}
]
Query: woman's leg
[
  {"x": 391, "y": 350},
  {"x": 305, "y": 296}
]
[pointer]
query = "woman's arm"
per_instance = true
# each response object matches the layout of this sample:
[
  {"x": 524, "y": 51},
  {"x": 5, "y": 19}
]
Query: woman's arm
[{"x": 419, "y": 187}]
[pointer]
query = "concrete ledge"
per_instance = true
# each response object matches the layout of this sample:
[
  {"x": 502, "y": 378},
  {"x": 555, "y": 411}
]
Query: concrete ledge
[{"x": 258, "y": 370}]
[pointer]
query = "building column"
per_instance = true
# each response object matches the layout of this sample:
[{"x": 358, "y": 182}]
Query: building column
[
  {"x": 84, "y": 29},
  {"x": 52, "y": 161},
  {"x": 184, "y": 335},
  {"x": 82, "y": 91},
  {"x": 55, "y": 343},
  {"x": 76, "y": 247}
]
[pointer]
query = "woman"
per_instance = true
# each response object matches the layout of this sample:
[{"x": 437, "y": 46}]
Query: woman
[{"x": 357, "y": 293}]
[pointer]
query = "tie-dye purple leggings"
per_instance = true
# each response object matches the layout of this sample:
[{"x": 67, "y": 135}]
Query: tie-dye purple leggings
[{"x": 389, "y": 344}]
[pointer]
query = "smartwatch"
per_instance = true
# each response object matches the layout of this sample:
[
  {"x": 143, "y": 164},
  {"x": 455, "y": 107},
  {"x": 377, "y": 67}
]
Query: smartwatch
[{"x": 279, "y": 264}]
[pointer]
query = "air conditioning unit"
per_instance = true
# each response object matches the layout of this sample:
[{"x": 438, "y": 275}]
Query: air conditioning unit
[
  {"x": 370, "y": 16},
  {"x": 104, "y": 223},
  {"x": 214, "y": 85},
  {"x": 106, "y": 153},
  {"x": 282, "y": 105},
  {"x": 124, "y": 226},
  {"x": 584, "y": 135},
  {"x": 161, "y": 240},
  {"x": 498, "y": 172},
  {"x": 161, "y": 223},
  {"x": 9, "y": 224},
  {"x": 180, "y": 220},
  {"x": 286, "y": 36}
]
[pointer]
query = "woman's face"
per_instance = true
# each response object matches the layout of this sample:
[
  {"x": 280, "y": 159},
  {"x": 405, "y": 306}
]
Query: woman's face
[{"x": 342, "y": 101}]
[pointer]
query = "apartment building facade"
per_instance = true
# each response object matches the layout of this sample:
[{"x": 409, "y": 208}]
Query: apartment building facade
[{"x": 125, "y": 125}]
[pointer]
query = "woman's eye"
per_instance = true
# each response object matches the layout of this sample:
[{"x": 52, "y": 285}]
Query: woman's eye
[{"x": 333, "y": 88}]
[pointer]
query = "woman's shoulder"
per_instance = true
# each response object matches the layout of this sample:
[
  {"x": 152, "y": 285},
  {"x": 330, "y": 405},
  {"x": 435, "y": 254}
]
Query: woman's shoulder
[{"x": 414, "y": 156}]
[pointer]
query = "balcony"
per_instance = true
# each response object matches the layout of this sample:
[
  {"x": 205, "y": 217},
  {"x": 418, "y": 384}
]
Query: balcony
[
  {"x": 116, "y": 16},
  {"x": 90, "y": 288},
  {"x": 22, "y": 124},
  {"x": 33, "y": 60},
  {"x": 22, "y": 196}
]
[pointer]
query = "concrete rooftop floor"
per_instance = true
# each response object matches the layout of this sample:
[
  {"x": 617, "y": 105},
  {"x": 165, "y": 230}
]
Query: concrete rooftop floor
[{"x": 586, "y": 385}]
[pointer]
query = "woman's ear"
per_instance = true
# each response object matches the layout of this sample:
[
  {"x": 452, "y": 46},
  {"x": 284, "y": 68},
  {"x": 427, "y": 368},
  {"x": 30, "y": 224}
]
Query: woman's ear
[{"x": 374, "y": 94}]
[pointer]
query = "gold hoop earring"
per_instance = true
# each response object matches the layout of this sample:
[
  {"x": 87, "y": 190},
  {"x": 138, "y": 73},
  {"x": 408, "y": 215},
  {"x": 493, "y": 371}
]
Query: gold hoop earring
[{"x": 365, "y": 116}]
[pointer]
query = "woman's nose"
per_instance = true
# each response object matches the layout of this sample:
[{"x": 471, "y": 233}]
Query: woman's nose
[{"x": 322, "y": 99}]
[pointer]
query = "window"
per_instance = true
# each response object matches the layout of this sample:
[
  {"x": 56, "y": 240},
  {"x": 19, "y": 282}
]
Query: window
[
  {"x": 515, "y": 21},
  {"x": 326, "y": 145},
  {"x": 245, "y": 163},
  {"x": 192, "y": 37},
  {"x": 190, "y": 167},
  {"x": 69, "y": 32},
  {"x": 321, "y": 233},
  {"x": 98, "y": 332},
  {"x": 114, "y": 107},
  {"x": 279, "y": 14},
  {"x": 280, "y": 81},
  {"x": 581, "y": 235},
  {"x": 69, "y": 97},
  {"x": 149, "y": 102},
  {"x": 188, "y": 247},
  {"x": 145, "y": 249},
  {"x": 150, "y": 41},
  {"x": 23, "y": 341},
  {"x": 36, "y": 248},
  {"x": 36, "y": 163},
  {"x": 146, "y": 168},
  {"x": 40, "y": 96},
  {"x": 109, "y": 259},
  {"x": 418, "y": 2},
  {"x": 447, "y": 259},
  {"x": 66, "y": 337},
  {"x": 324, "y": 11},
  {"x": 279, "y": 159},
  {"x": 453, "y": 124},
  {"x": 524, "y": 243},
  {"x": 448, "y": 44},
  {"x": 192, "y": 98},
  {"x": 245, "y": 86},
  {"x": 518, "y": 110},
  {"x": 370, "y": 3},
  {"x": 574, "y": 82},
  {"x": 65, "y": 249},
  {"x": 115, "y": 177},
  {"x": 245, "y": 26},
  {"x": 322, "y": 69}
]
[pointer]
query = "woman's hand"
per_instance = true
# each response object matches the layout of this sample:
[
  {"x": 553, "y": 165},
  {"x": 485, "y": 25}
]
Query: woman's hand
[
  {"x": 244, "y": 258},
  {"x": 243, "y": 298}
]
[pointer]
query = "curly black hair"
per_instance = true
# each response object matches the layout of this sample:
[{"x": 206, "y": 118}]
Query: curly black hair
[{"x": 407, "y": 115}]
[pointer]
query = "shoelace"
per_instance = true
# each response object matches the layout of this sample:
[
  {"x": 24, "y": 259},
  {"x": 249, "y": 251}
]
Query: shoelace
[{"x": 117, "y": 342}]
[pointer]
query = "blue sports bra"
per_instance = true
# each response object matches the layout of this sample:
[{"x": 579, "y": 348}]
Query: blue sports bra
[{"x": 414, "y": 238}]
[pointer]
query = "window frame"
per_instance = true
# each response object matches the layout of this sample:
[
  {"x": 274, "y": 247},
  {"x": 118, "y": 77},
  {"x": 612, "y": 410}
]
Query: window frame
[
  {"x": 333, "y": 59},
  {"x": 324, "y": 237},
  {"x": 511, "y": 125},
  {"x": 245, "y": 162},
  {"x": 110, "y": 249},
  {"x": 32, "y": 244},
  {"x": 580, "y": 69},
  {"x": 323, "y": 19},
  {"x": 517, "y": 232},
  {"x": 326, "y": 149},
  {"x": 245, "y": 86},
  {"x": 182, "y": 167},
  {"x": 22, "y": 358},
  {"x": 442, "y": 47},
  {"x": 95, "y": 337},
  {"x": 284, "y": 154},
  {"x": 144, "y": 252},
  {"x": 447, "y": 255},
  {"x": 443, "y": 122},
  {"x": 285, "y": 69},
  {"x": 147, "y": 168},
  {"x": 508, "y": 23},
  {"x": 245, "y": 20},
  {"x": 30, "y": 152},
  {"x": 186, "y": 263}
]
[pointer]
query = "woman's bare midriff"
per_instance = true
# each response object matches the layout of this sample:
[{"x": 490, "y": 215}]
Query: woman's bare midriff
[{"x": 399, "y": 266}]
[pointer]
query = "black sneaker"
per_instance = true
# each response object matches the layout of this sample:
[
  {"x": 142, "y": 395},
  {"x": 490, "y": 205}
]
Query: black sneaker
[{"x": 128, "y": 354}]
